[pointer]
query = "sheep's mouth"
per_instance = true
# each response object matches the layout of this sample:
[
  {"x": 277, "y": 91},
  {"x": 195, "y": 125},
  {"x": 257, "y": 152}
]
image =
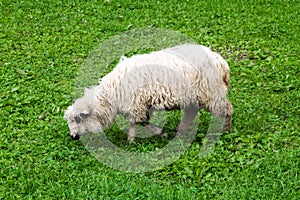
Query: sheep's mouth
[{"x": 75, "y": 137}]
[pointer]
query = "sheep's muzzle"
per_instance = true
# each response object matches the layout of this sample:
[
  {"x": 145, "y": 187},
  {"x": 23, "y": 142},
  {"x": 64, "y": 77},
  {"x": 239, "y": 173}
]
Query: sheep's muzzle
[{"x": 75, "y": 137}]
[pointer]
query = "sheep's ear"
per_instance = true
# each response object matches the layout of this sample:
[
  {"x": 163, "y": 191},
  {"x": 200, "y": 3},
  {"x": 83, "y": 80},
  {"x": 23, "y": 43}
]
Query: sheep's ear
[
  {"x": 84, "y": 114},
  {"x": 66, "y": 113}
]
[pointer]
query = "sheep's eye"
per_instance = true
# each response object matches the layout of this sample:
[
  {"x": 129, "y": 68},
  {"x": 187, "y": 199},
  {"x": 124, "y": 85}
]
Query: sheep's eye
[{"x": 77, "y": 119}]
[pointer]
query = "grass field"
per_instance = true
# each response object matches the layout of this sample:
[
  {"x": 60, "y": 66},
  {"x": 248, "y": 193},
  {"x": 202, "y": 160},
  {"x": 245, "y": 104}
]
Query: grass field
[{"x": 44, "y": 43}]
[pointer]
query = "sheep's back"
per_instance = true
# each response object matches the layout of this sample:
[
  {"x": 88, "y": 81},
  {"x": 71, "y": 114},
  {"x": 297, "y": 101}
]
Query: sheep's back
[{"x": 166, "y": 78}]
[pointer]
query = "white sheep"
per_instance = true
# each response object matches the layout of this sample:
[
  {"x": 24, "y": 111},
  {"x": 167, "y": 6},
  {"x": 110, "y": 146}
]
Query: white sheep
[{"x": 187, "y": 77}]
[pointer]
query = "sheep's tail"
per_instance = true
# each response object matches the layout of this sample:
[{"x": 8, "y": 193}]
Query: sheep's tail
[
  {"x": 225, "y": 72},
  {"x": 224, "y": 69}
]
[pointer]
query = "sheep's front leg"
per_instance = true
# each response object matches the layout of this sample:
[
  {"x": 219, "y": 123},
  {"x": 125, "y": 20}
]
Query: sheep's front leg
[
  {"x": 188, "y": 117},
  {"x": 227, "y": 117},
  {"x": 132, "y": 132}
]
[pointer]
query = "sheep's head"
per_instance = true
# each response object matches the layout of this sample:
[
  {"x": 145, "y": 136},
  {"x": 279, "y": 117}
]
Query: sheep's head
[{"x": 81, "y": 118}]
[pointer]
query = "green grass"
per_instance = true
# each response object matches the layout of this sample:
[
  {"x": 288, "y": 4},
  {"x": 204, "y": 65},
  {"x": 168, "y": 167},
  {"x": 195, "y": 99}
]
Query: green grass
[{"x": 44, "y": 43}]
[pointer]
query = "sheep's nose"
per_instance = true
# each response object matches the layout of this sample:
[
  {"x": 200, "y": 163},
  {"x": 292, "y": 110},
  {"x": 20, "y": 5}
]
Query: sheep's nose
[{"x": 76, "y": 137}]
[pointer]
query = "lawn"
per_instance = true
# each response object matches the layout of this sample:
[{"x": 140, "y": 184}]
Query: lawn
[{"x": 43, "y": 45}]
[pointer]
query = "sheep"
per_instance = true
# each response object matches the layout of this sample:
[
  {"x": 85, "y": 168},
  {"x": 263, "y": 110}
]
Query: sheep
[{"x": 189, "y": 77}]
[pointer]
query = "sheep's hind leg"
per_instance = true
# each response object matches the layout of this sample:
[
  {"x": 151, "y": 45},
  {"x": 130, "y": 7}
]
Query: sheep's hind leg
[
  {"x": 189, "y": 115},
  {"x": 227, "y": 117}
]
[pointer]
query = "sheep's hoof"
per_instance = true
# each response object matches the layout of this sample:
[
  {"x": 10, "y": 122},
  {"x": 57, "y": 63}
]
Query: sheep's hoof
[
  {"x": 130, "y": 140},
  {"x": 156, "y": 130},
  {"x": 164, "y": 135}
]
